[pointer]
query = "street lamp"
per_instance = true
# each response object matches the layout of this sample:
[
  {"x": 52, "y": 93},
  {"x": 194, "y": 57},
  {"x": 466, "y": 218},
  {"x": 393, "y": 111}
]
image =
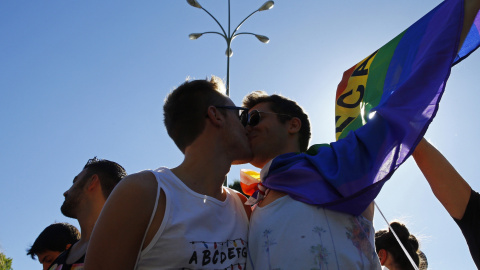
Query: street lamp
[{"x": 229, "y": 36}]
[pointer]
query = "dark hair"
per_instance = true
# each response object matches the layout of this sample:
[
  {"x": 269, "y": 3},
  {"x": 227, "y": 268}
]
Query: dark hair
[
  {"x": 283, "y": 105},
  {"x": 55, "y": 238},
  {"x": 109, "y": 172},
  {"x": 384, "y": 239},
  {"x": 185, "y": 109}
]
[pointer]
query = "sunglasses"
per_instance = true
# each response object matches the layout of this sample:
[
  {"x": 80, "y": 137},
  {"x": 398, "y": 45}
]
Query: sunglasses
[
  {"x": 253, "y": 118},
  {"x": 241, "y": 111}
]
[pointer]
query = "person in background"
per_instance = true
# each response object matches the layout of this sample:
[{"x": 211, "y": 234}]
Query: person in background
[
  {"x": 84, "y": 202},
  {"x": 453, "y": 192},
  {"x": 52, "y": 241},
  {"x": 390, "y": 252}
]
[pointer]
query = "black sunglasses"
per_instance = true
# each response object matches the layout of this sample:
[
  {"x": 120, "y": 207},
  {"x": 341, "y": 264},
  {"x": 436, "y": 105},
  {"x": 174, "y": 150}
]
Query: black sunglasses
[
  {"x": 242, "y": 112},
  {"x": 253, "y": 118}
]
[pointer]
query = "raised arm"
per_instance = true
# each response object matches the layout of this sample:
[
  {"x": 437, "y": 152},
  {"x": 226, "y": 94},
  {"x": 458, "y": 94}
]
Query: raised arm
[
  {"x": 117, "y": 237},
  {"x": 446, "y": 183},
  {"x": 471, "y": 10}
]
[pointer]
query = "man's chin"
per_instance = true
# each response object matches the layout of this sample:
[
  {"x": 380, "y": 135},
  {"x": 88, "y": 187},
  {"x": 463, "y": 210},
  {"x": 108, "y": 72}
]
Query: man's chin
[
  {"x": 242, "y": 161},
  {"x": 66, "y": 211},
  {"x": 259, "y": 163}
]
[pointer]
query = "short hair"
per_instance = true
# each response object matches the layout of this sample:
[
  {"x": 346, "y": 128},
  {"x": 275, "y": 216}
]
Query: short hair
[
  {"x": 109, "y": 172},
  {"x": 384, "y": 239},
  {"x": 283, "y": 105},
  {"x": 185, "y": 109},
  {"x": 55, "y": 237}
]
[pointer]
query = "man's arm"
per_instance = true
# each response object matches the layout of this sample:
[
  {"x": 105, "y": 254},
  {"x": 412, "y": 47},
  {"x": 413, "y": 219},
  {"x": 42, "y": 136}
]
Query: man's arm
[
  {"x": 471, "y": 10},
  {"x": 117, "y": 237},
  {"x": 446, "y": 183},
  {"x": 369, "y": 212}
]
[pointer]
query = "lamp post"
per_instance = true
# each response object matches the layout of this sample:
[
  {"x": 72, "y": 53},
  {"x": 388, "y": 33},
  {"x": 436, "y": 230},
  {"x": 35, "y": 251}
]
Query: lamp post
[{"x": 229, "y": 36}]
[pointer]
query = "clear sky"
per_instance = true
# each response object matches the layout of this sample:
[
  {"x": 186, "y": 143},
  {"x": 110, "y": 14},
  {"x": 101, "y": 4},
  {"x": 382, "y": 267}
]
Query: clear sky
[{"x": 80, "y": 79}]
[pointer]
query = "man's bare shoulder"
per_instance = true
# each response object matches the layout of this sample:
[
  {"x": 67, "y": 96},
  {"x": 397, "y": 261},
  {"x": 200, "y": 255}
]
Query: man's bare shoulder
[
  {"x": 140, "y": 187},
  {"x": 128, "y": 209},
  {"x": 143, "y": 179}
]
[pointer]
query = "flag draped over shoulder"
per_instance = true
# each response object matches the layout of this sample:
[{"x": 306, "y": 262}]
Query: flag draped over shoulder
[{"x": 384, "y": 105}]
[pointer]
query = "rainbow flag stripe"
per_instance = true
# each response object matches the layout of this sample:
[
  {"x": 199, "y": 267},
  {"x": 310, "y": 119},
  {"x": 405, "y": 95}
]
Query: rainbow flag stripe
[{"x": 384, "y": 105}]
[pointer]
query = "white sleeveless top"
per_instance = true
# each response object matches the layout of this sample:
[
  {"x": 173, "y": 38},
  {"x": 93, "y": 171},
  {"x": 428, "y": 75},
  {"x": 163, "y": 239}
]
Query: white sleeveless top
[
  {"x": 288, "y": 234},
  {"x": 198, "y": 231}
]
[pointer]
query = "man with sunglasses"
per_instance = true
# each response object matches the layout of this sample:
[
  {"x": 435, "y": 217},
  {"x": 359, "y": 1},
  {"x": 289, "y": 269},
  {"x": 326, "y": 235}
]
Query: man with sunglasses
[
  {"x": 288, "y": 233},
  {"x": 182, "y": 218}
]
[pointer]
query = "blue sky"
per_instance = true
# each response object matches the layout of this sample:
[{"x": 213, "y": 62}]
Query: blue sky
[{"x": 80, "y": 79}]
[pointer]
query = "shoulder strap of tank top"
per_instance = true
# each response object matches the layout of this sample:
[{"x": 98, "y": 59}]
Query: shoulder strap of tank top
[{"x": 151, "y": 219}]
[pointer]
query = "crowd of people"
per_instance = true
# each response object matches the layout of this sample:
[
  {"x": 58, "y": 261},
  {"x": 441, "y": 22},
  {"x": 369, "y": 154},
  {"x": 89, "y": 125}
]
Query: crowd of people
[
  {"x": 182, "y": 206},
  {"x": 169, "y": 218}
]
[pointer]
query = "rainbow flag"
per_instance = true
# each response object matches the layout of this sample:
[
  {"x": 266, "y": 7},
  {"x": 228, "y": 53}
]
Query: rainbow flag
[{"x": 384, "y": 105}]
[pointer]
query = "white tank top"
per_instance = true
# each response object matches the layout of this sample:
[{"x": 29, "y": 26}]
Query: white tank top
[
  {"x": 198, "y": 231},
  {"x": 288, "y": 234}
]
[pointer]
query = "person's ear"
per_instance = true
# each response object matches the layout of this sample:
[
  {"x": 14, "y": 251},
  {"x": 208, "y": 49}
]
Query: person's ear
[
  {"x": 382, "y": 256},
  {"x": 294, "y": 125},
  {"x": 93, "y": 182},
  {"x": 214, "y": 115}
]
